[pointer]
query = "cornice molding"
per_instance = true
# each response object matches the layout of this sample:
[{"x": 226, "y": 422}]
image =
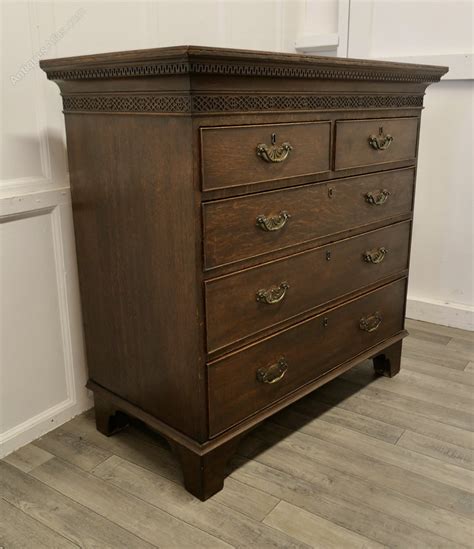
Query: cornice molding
[
  {"x": 235, "y": 103},
  {"x": 198, "y": 60},
  {"x": 242, "y": 69}
]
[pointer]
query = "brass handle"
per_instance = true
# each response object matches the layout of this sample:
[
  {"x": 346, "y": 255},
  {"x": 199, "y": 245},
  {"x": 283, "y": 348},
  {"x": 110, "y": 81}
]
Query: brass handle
[
  {"x": 370, "y": 323},
  {"x": 273, "y": 223},
  {"x": 273, "y": 152},
  {"x": 380, "y": 142},
  {"x": 375, "y": 256},
  {"x": 273, "y": 373},
  {"x": 377, "y": 197},
  {"x": 273, "y": 295}
]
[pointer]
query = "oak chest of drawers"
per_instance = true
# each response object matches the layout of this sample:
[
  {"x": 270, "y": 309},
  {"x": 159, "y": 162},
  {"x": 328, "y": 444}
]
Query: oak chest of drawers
[{"x": 243, "y": 224}]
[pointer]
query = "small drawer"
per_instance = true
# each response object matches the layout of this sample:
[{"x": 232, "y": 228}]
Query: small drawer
[
  {"x": 243, "y": 155},
  {"x": 245, "y": 303},
  {"x": 379, "y": 141},
  {"x": 239, "y": 228},
  {"x": 247, "y": 381}
]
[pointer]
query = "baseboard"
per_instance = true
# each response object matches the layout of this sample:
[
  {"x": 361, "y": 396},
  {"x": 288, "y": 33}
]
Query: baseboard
[
  {"x": 454, "y": 315},
  {"x": 39, "y": 425}
]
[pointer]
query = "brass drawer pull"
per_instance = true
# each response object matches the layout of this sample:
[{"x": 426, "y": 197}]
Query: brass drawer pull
[
  {"x": 273, "y": 295},
  {"x": 377, "y": 197},
  {"x": 273, "y": 373},
  {"x": 273, "y": 152},
  {"x": 380, "y": 142},
  {"x": 370, "y": 323},
  {"x": 375, "y": 256},
  {"x": 273, "y": 223}
]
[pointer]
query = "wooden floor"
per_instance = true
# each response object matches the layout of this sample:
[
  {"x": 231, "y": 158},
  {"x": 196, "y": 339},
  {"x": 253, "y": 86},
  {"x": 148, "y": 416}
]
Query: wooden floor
[{"x": 362, "y": 462}]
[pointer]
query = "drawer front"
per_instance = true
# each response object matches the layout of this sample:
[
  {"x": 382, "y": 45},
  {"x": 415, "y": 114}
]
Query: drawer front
[
  {"x": 379, "y": 141},
  {"x": 242, "y": 304},
  {"x": 240, "y": 228},
  {"x": 239, "y": 385},
  {"x": 242, "y": 155}
]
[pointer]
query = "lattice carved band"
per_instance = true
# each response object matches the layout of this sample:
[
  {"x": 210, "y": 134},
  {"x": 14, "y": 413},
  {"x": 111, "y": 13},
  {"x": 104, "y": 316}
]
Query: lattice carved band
[
  {"x": 235, "y": 103},
  {"x": 239, "y": 69}
]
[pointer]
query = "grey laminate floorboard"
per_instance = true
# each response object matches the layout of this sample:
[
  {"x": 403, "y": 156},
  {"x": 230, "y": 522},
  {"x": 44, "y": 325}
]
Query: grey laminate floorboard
[
  {"x": 364, "y": 465},
  {"x": 149, "y": 522},
  {"x": 235, "y": 528},
  {"x": 314, "y": 530},
  {"x": 362, "y": 462},
  {"x": 444, "y": 451},
  {"x": 17, "y": 529},
  {"x": 403, "y": 413},
  {"x": 320, "y": 494},
  {"x": 61, "y": 514},
  {"x": 28, "y": 457},
  {"x": 399, "y": 456}
]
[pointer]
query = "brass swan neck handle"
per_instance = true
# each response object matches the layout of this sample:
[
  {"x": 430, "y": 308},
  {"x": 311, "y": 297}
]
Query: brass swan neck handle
[
  {"x": 273, "y": 373},
  {"x": 377, "y": 198},
  {"x": 274, "y": 223},
  {"x": 274, "y": 152},
  {"x": 273, "y": 295},
  {"x": 376, "y": 255},
  {"x": 380, "y": 142},
  {"x": 371, "y": 322}
]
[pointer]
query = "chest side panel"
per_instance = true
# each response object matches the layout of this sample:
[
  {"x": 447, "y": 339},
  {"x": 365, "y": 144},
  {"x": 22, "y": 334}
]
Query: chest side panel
[{"x": 134, "y": 216}]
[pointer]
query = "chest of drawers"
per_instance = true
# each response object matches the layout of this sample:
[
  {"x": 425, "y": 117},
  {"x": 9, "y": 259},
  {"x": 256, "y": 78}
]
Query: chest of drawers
[{"x": 243, "y": 224}]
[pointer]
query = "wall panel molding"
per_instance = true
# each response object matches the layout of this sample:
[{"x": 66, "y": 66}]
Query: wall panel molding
[{"x": 55, "y": 204}]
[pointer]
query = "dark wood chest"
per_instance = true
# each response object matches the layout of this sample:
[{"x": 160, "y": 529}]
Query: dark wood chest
[{"x": 243, "y": 224}]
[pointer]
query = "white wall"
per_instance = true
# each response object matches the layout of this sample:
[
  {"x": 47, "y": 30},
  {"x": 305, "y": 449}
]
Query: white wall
[
  {"x": 42, "y": 362},
  {"x": 441, "y": 287}
]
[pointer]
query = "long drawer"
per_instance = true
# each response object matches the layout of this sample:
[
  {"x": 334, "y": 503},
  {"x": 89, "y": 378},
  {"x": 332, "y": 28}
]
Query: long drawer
[
  {"x": 247, "y": 381},
  {"x": 243, "y": 155},
  {"x": 240, "y": 228},
  {"x": 244, "y": 303},
  {"x": 376, "y": 141}
]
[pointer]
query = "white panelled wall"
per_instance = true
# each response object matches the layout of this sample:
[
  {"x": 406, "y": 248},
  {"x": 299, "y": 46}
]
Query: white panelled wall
[
  {"x": 441, "y": 287},
  {"x": 43, "y": 369}
]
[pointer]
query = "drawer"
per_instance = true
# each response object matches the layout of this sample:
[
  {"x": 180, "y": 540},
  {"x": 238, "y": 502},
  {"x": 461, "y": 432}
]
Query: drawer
[
  {"x": 244, "y": 155},
  {"x": 239, "y": 385},
  {"x": 240, "y": 228},
  {"x": 243, "y": 304},
  {"x": 379, "y": 141}
]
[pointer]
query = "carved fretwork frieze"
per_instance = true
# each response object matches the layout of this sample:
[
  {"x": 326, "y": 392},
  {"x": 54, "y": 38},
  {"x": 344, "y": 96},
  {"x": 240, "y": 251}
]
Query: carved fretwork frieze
[
  {"x": 235, "y": 103},
  {"x": 127, "y": 103}
]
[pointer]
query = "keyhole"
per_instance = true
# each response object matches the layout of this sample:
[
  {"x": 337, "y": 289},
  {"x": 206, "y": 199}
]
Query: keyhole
[
  {"x": 381, "y": 130},
  {"x": 331, "y": 192},
  {"x": 328, "y": 256},
  {"x": 274, "y": 138},
  {"x": 325, "y": 321}
]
